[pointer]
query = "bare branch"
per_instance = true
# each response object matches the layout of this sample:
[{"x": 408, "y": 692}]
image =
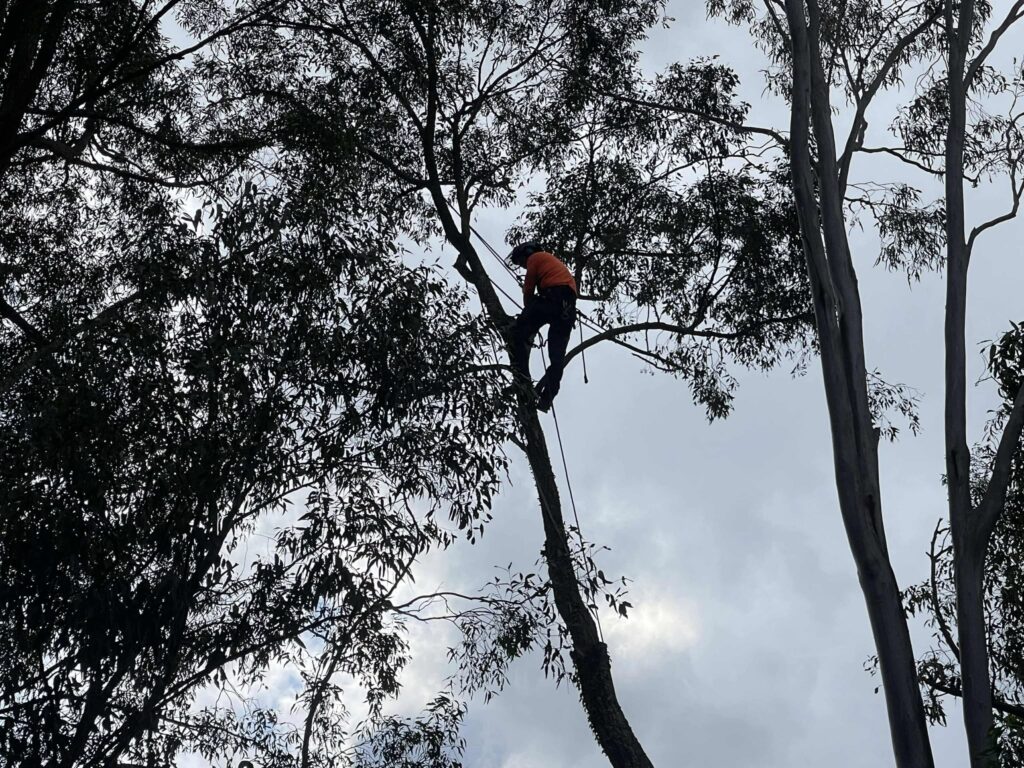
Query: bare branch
[
  {"x": 933, "y": 557},
  {"x": 680, "y": 330},
  {"x": 1015, "y": 14},
  {"x": 901, "y": 157},
  {"x": 1018, "y": 190},
  {"x": 864, "y": 100}
]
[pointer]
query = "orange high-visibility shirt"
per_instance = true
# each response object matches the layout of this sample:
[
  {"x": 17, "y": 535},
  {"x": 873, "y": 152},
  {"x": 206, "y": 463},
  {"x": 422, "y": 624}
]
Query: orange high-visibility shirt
[{"x": 545, "y": 270}]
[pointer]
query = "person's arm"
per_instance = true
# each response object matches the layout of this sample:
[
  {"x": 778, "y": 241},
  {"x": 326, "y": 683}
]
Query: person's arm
[{"x": 531, "y": 280}]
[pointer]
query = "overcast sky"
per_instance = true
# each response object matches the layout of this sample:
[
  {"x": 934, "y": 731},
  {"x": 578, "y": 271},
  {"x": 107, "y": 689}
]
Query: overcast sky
[
  {"x": 748, "y": 637},
  {"x": 747, "y": 642}
]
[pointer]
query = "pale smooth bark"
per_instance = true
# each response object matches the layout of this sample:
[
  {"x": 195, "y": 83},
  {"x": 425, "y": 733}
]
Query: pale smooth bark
[{"x": 968, "y": 550}]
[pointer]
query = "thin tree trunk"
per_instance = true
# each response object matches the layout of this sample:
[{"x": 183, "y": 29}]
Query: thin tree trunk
[
  {"x": 854, "y": 440},
  {"x": 972, "y": 633},
  {"x": 970, "y": 541}
]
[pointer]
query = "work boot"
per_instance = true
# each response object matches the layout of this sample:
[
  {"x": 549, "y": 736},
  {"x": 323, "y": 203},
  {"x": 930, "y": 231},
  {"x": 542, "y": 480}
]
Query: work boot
[{"x": 543, "y": 398}]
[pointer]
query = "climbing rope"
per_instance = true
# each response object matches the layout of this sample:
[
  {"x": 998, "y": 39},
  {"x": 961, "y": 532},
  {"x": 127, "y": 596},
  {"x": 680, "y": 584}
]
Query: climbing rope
[
  {"x": 583, "y": 356},
  {"x": 572, "y": 501}
]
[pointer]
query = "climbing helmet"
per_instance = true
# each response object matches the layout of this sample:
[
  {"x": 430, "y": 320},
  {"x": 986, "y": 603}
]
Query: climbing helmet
[{"x": 522, "y": 252}]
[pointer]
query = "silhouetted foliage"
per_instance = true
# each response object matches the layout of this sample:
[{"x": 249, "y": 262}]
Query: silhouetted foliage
[
  {"x": 441, "y": 111},
  {"x": 237, "y": 409},
  {"x": 278, "y": 369},
  {"x": 176, "y": 388}
]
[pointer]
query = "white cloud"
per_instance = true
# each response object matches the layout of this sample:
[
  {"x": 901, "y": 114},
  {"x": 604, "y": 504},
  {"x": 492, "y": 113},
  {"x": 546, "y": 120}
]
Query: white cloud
[{"x": 658, "y": 624}]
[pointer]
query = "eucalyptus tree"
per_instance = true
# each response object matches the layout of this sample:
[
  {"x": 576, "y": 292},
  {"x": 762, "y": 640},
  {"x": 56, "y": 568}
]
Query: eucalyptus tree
[
  {"x": 173, "y": 385},
  {"x": 451, "y": 106},
  {"x": 972, "y": 522},
  {"x": 819, "y": 185},
  {"x": 857, "y": 50},
  {"x": 971, "y": 118},
  {"x": 101, "y": 85},
  {"x": 99, "y": 105},
  {"x": 682, "y": 239},
  {"x": 276, "y": 364}
]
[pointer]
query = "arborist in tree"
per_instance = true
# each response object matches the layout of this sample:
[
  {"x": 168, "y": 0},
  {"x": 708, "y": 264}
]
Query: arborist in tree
[{"x": 554, "y": 304}]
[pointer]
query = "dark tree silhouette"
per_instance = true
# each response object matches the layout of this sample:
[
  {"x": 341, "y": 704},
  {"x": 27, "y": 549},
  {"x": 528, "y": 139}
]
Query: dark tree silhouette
[
  {"x": 172, "y": 385},
  {"x": 139, "y": 459},
  {"x": 936, "y": 598}
]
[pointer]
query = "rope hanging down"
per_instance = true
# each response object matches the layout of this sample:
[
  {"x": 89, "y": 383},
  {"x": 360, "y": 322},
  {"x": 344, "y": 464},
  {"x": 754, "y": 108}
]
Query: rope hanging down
[{"x": 572, "y": 501}]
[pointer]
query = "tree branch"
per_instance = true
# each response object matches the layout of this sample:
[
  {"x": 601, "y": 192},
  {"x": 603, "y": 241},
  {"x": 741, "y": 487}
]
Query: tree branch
[
  {"x": 10, "y": 313},
  {"x": 1006, "y": 707},
  {"x": 51, "y": 347},
  {"x": 1018, "y": 190},
  {"x": 947, "y": 634},
  {"x": 902, "y": 158},
  {"x": 95, "y": 92},
  {"x": 1015, "y": 14},
  {"x": 738, "y": 127},
  {"x": 72, "y": 155},
  {"x": 351, "y": 37},
  {"x": 680, "y": 330},
  {"x": 995, "y": 494},
  {"x": 859, "y": 124}
]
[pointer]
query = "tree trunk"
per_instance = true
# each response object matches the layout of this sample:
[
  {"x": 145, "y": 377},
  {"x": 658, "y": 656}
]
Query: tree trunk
[
  {"x": 970, "y": 540},
  {"x": 589, "y": 654},
  {"x": 854, "y": 440},
  {"x": 32, "y": 30},
  {"x": 974, "y": 673},
  {"x": 907, "y": 722}
]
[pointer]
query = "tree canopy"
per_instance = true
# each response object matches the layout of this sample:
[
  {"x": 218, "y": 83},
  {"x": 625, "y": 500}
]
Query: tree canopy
[{"x": 258, "y": 364}]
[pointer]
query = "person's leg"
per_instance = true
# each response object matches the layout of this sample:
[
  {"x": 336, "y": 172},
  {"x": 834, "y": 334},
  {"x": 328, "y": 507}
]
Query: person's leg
[
  {"x": 558, "y": 340},
  {"x": 525, "y": 328}
]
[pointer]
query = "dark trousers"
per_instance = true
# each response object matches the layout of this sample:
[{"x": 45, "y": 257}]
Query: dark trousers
[{"x": 555, "y": 307}]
